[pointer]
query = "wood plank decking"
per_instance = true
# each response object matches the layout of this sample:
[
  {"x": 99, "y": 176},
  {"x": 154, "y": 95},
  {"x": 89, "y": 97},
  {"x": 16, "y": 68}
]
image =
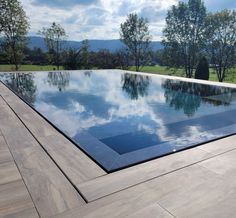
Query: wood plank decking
[{"x": 42, "y": 174}]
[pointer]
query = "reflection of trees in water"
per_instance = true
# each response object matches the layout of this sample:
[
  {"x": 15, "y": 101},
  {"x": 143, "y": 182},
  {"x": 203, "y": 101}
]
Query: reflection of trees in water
[
  {"x": 188, "y": 102},
  {"x": 23, "y": 85},
  {"x": 135, "y": 85},
  {"x": 188, "y": 96},
  {"x": 59, "y": 79},
  {"x": 88, "y": 73}
]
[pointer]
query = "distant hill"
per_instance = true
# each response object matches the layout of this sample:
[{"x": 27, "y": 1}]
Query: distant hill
[{"x": 95, "y": 45}]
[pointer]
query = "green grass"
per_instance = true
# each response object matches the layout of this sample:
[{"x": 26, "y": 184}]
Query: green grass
[
  {"x": 161, "y": 70},
  {"x": 8, "y": 67},
  {"x": 230, "y": 76}
]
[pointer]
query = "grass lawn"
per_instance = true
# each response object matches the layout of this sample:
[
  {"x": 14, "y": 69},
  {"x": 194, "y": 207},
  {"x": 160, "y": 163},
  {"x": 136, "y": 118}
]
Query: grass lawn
[
  {"x": 161, "y": 70},
  {"x": 8, "y": 67}
]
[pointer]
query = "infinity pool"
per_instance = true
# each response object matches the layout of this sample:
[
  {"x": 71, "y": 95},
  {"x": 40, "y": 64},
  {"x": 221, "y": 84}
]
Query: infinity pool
[{"x": 120, "y": 118}]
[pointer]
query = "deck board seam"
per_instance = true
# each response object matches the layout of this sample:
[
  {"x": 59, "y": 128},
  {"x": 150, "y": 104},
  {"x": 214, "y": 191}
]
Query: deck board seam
[
  {"x": 164, "y": 174},
  {"x": 22, "y": 179},
  {"x": 165, "y": 209},
  {"x": 64, "y": 174}
]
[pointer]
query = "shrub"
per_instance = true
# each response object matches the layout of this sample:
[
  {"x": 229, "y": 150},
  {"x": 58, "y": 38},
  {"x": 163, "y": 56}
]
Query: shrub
[{"x": 202, "y": 71}]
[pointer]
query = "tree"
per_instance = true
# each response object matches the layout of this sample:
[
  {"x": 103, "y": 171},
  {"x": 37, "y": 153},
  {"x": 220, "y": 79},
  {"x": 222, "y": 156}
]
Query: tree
[
  {"x": 222, "y": 41},
  {"x": 185, "y": 32},
  {"x": 84, "y": 54},
  {"x": 122, "y": 59},
  {"x": 71, "y": 59},
  {"x": 14, "y": 26},
  {"x": 135, "y": 35},
  {"x": 103, "y": 59},
  {"x": 202, "y": 71},
  {"x": 170, "y": 57},
  {"x": 77, "y": 58},
  {"x": 54, "y": 38},
  {"x": 35, "y": 56}
]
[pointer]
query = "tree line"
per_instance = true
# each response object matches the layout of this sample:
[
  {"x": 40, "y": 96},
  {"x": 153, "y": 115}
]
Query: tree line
[
  {"x": 193, "y": 38},
  {"x": 191, "y": 33}
]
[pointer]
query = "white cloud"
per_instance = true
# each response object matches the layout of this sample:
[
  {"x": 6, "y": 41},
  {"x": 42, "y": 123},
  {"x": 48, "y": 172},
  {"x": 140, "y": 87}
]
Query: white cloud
[
  {"x": 93, "y": 21},
  {"x": 101, "y": 19}
]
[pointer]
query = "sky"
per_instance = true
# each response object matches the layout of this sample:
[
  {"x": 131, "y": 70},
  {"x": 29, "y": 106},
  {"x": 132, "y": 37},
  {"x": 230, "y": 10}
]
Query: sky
[{"x": 101, "y": 19}]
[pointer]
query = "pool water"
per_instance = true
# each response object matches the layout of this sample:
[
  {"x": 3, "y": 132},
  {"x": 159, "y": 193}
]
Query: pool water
[{"x": 120, "y": 118}]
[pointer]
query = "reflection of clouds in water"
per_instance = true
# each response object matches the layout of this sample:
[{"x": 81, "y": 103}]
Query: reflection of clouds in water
[
  {"x": 67, "y": 120},
  {"x": 146, "y": 128},
  {"x": 109, "y": 88},
  {"x": 77, "y": 107},
  {"x": 193, "y": 134},
  {"x": 42, "y": 85}
]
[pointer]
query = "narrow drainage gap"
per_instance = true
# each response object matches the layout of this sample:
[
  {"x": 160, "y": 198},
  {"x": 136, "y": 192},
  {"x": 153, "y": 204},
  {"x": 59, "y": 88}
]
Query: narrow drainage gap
[{"x": 82, "y": 196}]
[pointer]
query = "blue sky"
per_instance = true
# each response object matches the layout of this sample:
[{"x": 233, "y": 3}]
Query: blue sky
[{"x": 100, "y": 19}]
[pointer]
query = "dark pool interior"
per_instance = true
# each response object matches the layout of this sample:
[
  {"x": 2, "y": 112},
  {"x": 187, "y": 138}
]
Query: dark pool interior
[{"x": 120, "y": 118}]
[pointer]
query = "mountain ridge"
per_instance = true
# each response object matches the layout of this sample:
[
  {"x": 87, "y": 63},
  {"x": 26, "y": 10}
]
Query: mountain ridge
[{"x": 95, "y": 44}]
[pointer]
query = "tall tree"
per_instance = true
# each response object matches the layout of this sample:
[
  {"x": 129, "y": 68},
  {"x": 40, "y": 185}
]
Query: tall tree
[
  {"x": 185, "y": 32},
  {"x": 134, "y": 33},
  {"x": 222, "y": 41},
  {"x": 14, "y": 26},
  {"x": 84, "y": 54},
  {"x": 54, "y": 37}
]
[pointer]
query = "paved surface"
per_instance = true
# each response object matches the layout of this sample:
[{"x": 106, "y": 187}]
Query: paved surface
[{"x": 44, "y": 175}]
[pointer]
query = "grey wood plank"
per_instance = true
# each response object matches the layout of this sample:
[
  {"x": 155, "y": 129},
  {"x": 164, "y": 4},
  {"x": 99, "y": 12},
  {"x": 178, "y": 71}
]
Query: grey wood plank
[
  {"x": 10, "y": 126},
  {"x": 15, "y": 201},
  {"x": 5, "y": 155},
  {"x": 2, "y": 142},
  {"x": 105, "y": 185},
  {"x": 75, "y": 164},
  {"x": 8, "y": 172},
  {"x": 213, "y": 198},
  {"x": 224, "y": 164},
  {"x": 131, "y": 200},
  {"x": 50, "y": 190},
  {"x": 151, "y": 211},
  {"x": 72, "y": 161},
  {"x": 220, "y": 146}
]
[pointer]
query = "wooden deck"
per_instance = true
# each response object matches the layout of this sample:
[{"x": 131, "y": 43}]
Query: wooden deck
[{"x": 42, "y": 174}]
